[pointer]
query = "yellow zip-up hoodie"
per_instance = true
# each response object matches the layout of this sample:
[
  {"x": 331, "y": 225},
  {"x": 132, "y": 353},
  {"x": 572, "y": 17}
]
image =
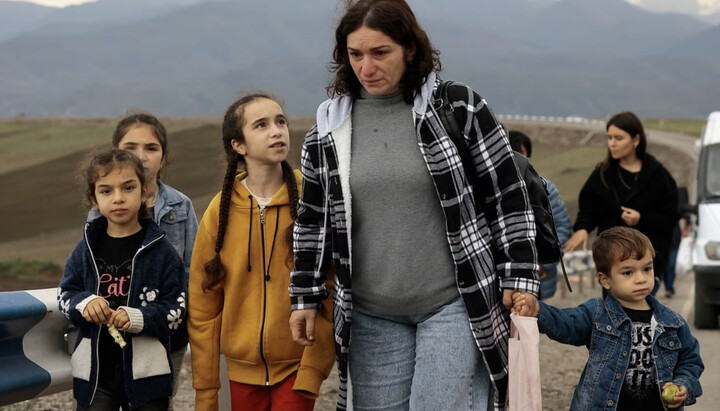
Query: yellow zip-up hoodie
[{"x": 246, "y": 317}]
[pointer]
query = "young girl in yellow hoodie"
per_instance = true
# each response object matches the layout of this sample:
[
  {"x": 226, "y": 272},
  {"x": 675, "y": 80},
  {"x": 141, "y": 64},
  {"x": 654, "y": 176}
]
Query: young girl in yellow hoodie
[{"x": 239, "y": 302}]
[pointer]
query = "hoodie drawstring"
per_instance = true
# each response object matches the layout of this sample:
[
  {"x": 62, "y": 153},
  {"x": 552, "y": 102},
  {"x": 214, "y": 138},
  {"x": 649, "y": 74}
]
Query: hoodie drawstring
[
  {"x": 272, "y": 247},
  {"x": 249, "y": 267}
]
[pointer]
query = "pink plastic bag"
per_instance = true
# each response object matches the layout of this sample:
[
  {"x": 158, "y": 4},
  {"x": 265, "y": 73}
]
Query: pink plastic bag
[{"x": 524, "y": 365}]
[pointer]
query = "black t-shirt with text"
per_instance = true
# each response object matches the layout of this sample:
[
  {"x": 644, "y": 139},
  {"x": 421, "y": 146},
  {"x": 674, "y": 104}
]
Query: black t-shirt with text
[
  {"x": 640, "y": 391},
  {"x": 114, "y": 257}
]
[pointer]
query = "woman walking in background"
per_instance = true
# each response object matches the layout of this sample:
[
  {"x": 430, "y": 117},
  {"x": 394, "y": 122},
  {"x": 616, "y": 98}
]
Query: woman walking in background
[
  {"x": 629, "y": 188},
  {"x": 387, "y": 204},
  {"x": 144, "y": 135},
  {"x": 240, "y": 274}
]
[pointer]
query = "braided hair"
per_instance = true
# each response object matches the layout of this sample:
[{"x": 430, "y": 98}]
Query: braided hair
[{"x": 232, "y": 130}]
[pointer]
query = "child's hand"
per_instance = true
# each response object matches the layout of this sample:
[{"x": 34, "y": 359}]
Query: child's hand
[
  {"x": 97, "y": 311},
  {"x": 120, "y": 319},
  {"x": 680, "y": 397},
  {"x": 518, "y": 299}
]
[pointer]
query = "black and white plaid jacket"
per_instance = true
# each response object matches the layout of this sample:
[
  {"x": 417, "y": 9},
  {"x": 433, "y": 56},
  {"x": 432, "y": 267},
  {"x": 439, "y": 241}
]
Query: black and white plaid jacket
[{"x": 492, "y": 243}]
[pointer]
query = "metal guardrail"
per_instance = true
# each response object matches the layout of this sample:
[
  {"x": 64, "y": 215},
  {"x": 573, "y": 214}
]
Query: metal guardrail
[
  {"x": 34, "y": 355},
  {"x": 551, "y": 119},
  {"x": 36, "y": 339}
]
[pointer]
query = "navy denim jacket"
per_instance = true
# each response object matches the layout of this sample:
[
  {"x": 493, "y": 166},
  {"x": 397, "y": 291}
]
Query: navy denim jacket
[{"x": 603, "y": 327}]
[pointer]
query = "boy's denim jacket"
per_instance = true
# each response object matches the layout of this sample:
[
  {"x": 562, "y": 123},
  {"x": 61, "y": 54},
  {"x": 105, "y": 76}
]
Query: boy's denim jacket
[{"x": 603, "y": 327}]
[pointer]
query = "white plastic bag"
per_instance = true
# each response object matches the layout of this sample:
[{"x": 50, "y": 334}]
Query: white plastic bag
[
  {"x": 684, "y": 263},
  {"x": 524, "y": 392}
]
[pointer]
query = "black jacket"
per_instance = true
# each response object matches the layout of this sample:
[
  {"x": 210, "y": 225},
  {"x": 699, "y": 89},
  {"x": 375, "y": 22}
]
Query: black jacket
[{"x": 654, "y": 196}]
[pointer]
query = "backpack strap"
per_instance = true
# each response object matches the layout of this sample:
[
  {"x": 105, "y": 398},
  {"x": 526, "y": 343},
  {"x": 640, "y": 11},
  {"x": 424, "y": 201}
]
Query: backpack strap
[
  {"x": 444, "y": 108},
  {"x": 446, "y": 113}
]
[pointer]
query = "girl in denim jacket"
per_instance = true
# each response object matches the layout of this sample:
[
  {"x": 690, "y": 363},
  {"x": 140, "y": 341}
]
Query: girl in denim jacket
[
  {"x": 145, "y": 136},
  {"x": 637, "y": 346}
]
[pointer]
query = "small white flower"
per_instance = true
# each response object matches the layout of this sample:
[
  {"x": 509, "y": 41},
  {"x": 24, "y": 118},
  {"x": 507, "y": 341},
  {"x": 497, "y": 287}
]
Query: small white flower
[
  {"x": 65, "y": 307},
  {"x": 181, "y": 300},
  {"x": 147, "y": 296},
  {"x": 174, "y": 319}
]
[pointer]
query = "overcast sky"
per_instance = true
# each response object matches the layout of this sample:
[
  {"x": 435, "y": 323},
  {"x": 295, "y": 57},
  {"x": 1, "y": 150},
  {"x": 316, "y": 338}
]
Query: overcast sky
[{"x": 693, "y": 7}]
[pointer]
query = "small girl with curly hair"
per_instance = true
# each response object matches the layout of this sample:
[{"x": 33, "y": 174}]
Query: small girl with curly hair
[{"x": 125, "y": 275}]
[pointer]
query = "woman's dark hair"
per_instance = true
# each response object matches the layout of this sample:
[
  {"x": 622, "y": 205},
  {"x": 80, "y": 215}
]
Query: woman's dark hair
[
  {"x": 233, "y": 123},
  {"x": 397, "y": 21},
  {"x": 631, "y": 124},
  {"x": 143, "y": 119},
  {"x": 103, "y": 162}
]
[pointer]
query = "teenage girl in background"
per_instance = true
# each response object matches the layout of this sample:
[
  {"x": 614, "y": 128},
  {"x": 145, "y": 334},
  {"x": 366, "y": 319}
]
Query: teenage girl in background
[
  {"x": 123, "y": 273},
  {"x": 145, "y": 136},
  {"x": 240, "y": 273}
]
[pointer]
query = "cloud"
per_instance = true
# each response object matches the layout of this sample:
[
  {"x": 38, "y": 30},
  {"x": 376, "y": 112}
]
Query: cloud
[
  {"x": 692, "y": 7},
  {"x": 57, "y": 3}
]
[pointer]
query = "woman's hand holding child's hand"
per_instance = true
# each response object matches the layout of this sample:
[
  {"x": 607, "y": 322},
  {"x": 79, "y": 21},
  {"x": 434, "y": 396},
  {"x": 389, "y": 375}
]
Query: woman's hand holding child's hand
[
  {"x": 523, "y": 303},
  {"x": 518, "y": 300},
  {"x": 680, "y": 397},
  {"x": 97, "y": 311}
]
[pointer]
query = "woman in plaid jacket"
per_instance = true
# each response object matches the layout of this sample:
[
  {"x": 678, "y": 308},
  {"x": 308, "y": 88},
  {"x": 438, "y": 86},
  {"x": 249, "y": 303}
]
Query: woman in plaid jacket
[{"x": 432, "y": 271}]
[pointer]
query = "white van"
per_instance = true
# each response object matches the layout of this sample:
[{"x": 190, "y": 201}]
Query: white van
[{"x": 706, "y": 252}]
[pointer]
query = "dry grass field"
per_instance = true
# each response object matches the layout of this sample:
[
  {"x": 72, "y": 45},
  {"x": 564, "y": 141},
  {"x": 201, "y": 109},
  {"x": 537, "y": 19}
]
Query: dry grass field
[{"x": 41, "y": 213}]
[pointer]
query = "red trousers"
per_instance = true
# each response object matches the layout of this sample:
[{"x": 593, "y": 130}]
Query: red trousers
[{"x": 245, "y": 397}]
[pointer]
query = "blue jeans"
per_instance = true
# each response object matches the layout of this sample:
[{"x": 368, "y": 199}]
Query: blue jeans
[
  {"x": 417, "y": 362},
  {"x": 548, "y": 285},
  {"x": 672, "y": 259}
]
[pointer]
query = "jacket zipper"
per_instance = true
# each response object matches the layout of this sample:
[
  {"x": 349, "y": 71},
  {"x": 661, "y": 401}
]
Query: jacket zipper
[
  {"x": 266, "y": 278},
  {"x": 97, "y": 291},
  {"x": 127, "y": 302},
  {"x": 132, "y": 276}
]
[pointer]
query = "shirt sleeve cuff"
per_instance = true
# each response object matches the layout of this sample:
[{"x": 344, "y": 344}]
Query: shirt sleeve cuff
[
  {"x": 308, "y": 383},
  {"x": 137, "y": 322},
  {"x": 82, "y": 304},
  {"x": 528, "y": 285}
]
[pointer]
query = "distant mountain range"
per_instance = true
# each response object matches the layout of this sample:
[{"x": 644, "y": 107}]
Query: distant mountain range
[{"x": 193, "y": 57}]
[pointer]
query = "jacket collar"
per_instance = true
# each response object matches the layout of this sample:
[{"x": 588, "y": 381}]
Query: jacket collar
[
  {"x": 166, "y": 196},
  {"x": 664, "y": 316},
  {"x": 333, "y": 112},
  {"x": 649, "y": 166},
  {"x": 240, "y": 196},
  {"x": 97, "y": 226}
]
